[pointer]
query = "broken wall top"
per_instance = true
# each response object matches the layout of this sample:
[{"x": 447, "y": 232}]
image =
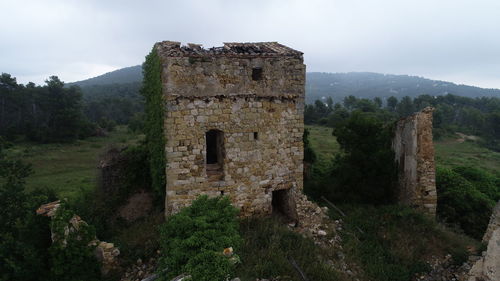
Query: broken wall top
[
  {"x": 262, "y": 70},
  {"x": 242, "y": 50}
]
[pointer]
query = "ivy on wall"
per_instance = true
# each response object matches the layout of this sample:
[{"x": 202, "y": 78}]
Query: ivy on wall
[{"x": 154, "y": 110}]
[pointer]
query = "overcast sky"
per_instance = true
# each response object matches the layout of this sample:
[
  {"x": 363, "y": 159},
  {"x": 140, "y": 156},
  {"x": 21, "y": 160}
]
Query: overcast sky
[{"x": 452, "y": 40}]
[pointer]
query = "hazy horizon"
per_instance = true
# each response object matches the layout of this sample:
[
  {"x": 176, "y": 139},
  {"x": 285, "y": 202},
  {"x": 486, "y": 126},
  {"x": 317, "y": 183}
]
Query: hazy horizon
[{"x": 448, "y": 40}]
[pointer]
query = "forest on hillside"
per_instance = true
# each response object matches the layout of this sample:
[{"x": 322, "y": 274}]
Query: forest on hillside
[
  {"x": 55, "y": 112},
  {"x": 371, "y": 85},
  {"x": 84, "y": 108},
  {"x": 319, "y": 85}
]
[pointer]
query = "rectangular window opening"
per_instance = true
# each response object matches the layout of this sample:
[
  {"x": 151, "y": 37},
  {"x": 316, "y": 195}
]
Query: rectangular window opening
[
  {"x": 214, "y": 154},
  {"x": 256, "y": 73},
  {"x": 255, "y": 135}
]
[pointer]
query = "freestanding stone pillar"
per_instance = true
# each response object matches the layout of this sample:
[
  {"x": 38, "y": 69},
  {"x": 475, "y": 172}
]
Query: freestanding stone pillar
[{"x": 414, "y": 152}]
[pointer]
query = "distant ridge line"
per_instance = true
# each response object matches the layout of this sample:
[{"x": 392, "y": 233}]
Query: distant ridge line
[{"x": 337, "y": 85}]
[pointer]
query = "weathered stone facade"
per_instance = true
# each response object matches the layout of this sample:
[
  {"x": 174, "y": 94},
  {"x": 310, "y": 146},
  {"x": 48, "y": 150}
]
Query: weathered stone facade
[
  {"x": 414, "y": 152},
  {"x": 233, "y": 124}
]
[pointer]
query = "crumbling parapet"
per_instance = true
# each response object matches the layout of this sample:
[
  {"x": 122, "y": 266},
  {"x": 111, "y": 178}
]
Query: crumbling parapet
[{"x": 414, "y": 153}]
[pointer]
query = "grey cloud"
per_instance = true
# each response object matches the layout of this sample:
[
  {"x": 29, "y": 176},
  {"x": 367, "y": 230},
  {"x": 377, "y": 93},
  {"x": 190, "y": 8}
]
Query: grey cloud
[{"x": 452, "y": 40}]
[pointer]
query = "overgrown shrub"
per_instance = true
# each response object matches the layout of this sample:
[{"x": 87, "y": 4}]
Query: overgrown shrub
[
  {"x": 461, "y": 200},
  {"x": 365, "y": 171},
  {"x": 24, "y": 236},
  {"x": 269, "y": 247},
  {"x": 393, "y": 243},
  {"x": 72, "y": 254},
  {"x": 192, "y": 241},
  {"x": 482, "y": 180},
  {"x": 130, "y": 174}
]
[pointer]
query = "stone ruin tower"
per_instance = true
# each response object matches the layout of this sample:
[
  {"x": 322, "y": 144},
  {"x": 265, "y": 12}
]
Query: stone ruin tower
[
  {"x": 414, "y": 153},
  {"x": 233, "y": 124}
]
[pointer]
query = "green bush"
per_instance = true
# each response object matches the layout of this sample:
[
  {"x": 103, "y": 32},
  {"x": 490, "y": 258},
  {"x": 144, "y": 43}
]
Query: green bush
[
  {"x": 99, "y": 207},
  {"x": 482, "y": 180},
  {"x": 24, "y": 236},
  {"x": 461, "y": 202},
  {"x": 365, "y": 171},
  {"x": 72, "y": 255},
  {"x": 193, "y": 240}
]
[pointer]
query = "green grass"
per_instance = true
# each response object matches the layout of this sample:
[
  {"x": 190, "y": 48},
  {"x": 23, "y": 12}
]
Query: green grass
[
  {"x": 322, "y": 141},
  {"x": 68, "y": 169},
  {"x": 393, "y": 243},
  {"x": 451, "y": 153},
  {"x": 268, "y": 248}
]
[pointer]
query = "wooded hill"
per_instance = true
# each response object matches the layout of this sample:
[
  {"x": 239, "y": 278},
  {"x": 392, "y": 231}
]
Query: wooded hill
[{"x": 318, "y": 85}]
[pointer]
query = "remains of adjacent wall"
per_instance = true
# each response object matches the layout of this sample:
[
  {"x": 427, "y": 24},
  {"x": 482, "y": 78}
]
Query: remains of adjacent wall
[
  {"x": 414, "y": 153},
  {"x": 105, "y": 252},
  {"x": 487, "y": 268},
  {"x": 260, "y": 120}
]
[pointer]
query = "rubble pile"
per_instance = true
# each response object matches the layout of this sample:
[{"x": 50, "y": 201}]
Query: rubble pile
[
  {"x": 443, "y": 268},
  {"x": 141, "y": 270},
  {"x": 315, "y": 223}
]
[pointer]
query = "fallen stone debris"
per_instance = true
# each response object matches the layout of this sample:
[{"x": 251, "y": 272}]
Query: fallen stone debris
[
  {"x": 477, "y": 268},
  {"x": 105, "y": 252},
  {"x": 142, "y": 270},
  {"x": 315, "y": 223},
  {"x": 443, "y": 268}
]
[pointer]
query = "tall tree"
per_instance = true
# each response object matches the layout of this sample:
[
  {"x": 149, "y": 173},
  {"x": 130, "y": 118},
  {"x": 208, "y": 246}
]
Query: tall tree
[
  {"x": 405, "y": 107},
  {"x": 392, "y": 102}
]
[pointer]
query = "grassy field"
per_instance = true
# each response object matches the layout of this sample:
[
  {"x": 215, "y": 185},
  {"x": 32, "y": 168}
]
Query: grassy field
[
  {"x": 322, "y": 140},
  {"x": 449, "y": 152},
  {"x": 70, "y": 168}
]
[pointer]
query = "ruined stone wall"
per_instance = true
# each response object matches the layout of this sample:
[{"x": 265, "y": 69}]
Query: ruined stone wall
[
  {"x": 414, "y": 152},
  {"x": 261, "y": 121}
]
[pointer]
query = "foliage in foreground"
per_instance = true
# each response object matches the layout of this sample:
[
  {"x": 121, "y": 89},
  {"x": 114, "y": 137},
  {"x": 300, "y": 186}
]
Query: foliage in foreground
[
  {"x": 193, "y": 240},
  {"x": 266, "y": 250},
  {"x": 24, "y": 236},
  {"x": 466, "y": 197},
  {"x": 26, "y": 249},
  {"x": 392, "y": 243}
]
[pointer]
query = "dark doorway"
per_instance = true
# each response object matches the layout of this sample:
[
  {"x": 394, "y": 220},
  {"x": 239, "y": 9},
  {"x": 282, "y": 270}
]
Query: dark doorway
[
  {"x": 215, "y": 153},
  {"x": 283, "y": 204}
]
